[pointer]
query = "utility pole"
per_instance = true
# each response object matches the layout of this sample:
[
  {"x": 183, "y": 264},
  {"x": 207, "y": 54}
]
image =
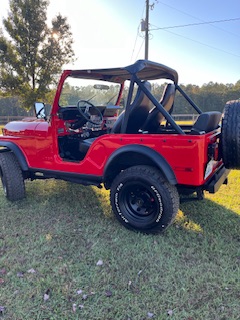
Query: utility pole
[
  {"x": 145, "y": 25},
  {"x": 147, "y": 29}
]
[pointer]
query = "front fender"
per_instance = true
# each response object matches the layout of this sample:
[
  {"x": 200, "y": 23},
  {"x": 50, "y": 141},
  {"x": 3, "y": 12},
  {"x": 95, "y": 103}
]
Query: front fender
[
  {"x": 6, "y": 146},
  {"x": 132, "y": 155}
]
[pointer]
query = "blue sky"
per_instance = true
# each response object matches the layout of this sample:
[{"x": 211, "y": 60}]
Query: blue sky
[{"x": 107, "y": 34}]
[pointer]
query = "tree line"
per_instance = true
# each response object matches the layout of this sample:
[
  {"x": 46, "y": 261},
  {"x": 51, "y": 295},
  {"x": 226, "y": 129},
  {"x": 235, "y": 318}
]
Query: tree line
[
  {"x": 33, "y": 53},
  {"x": 208, "y": 97}
]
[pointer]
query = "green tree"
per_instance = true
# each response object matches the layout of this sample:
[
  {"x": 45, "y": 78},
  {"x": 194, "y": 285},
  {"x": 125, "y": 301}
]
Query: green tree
[{"x": 32, "y": 53}]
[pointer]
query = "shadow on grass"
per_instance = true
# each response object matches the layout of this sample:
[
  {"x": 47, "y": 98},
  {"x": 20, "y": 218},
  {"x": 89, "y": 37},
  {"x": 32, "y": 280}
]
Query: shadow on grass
[
  {"x": 49, "y": 202},
  {"x": 58, "y": 198},
  {"x": 209, "y": 217},
  {"x": 62, "y": 230}
]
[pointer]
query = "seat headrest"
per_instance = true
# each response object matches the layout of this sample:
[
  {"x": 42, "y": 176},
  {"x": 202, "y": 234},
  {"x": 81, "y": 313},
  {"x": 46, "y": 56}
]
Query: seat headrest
[
  {"x": 141, "y": 99},
  {"x": 168, "y": 96},
  {"x": 155, "y": 117}
]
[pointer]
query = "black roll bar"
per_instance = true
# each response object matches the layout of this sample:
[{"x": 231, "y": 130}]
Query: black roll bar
[
  {"x": 158, "y": 105},
  {"x": 188, "y": 99}
]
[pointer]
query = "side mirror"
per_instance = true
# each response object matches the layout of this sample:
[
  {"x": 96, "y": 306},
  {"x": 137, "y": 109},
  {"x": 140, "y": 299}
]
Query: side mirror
[{"x": 40, "y": 111}]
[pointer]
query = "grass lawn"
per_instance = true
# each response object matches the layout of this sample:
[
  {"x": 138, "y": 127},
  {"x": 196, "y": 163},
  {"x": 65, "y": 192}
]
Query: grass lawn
[{"x": 64, "y": 256}]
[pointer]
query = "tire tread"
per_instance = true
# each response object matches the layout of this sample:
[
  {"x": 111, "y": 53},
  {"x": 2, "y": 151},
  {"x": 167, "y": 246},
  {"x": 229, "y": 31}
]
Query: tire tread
[
  {"x": 13, "y": 177},
  {"x": 231, "y": 135},
  {"x": 155, "y": 174}
]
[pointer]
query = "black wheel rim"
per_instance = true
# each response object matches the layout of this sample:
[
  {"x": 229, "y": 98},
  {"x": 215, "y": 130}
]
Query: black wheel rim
[{"x": 140, "y": 203}]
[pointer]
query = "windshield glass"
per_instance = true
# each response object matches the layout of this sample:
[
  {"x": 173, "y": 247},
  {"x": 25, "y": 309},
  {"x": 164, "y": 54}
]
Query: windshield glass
[{"x": 99, "y": 93}]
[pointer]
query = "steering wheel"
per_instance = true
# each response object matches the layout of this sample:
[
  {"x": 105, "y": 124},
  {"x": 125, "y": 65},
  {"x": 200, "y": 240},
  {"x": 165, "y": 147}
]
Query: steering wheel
[{"x": 84, "y": 107}]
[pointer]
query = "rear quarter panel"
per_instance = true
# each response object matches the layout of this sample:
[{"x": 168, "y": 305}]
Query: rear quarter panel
[{"x": 186, "y": 154}]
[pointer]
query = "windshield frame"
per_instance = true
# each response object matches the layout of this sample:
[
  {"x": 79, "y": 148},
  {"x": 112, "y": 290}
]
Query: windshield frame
[{"x": 98, "y": 92}]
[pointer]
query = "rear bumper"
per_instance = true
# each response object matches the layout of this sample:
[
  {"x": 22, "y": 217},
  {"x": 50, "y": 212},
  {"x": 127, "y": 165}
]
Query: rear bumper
[{"x": 215, "y": 182}]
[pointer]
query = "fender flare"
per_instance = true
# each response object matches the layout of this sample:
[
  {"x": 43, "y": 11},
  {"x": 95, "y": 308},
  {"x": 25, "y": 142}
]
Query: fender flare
[
  {"x": 17, "y": 151},
  {"x": 149, "y": 154}
]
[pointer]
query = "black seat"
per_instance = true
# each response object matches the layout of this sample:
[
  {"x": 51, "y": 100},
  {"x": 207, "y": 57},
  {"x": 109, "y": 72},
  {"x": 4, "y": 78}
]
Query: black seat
[
  {"x": 155, "y": 117},
  {"x": 138, "y": 113},
  {"x": 206, "y": 122}
]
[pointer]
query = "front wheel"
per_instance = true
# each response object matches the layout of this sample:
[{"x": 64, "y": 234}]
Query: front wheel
[
  {"x": 143, "y": 200},
  {"x": 12, "y": 177}
]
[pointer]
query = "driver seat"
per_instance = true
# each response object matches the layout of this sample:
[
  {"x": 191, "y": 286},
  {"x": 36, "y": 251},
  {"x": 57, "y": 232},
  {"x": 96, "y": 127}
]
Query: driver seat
[{"x": 138, "y": 113}]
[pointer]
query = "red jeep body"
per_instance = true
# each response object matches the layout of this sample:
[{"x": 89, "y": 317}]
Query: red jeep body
[{"x": 67, "y": 144}]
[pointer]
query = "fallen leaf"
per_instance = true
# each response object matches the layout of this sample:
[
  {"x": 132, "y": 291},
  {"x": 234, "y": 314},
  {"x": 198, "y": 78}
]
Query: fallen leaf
[
  {"x": 150, "y": 315},
  {"x": 108, "y": 293},
  {"x": 81, "y": 306},
  {"x": 31, "y": 270},
  {"x": 74, "y": 307},
  {"x": 20, "y": 275},
  {"x": 99, "y": 263},
  {"x": 79, "y": 291},
  {"x": 46, "y": 297},
  {"x": 1, "y": 281},
  {"x": 85, "y": 296},
  {"x": 170, "y": 312},
  {"x": 48, "y": 237},
  {"x": 3, "y": 271}
]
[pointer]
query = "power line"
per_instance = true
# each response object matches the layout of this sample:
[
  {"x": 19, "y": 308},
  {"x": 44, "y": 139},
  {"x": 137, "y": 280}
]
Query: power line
[
  {"x": 139, "y": 50},
  {"x": 187, "y": 14},
  {"x": 138, "y": 33},
  {"x": 190, "y": 25},
  {"x": 204, "y": 44},
  {"x": 195, "y": 24},
  {"x": 134, "y": 47}
]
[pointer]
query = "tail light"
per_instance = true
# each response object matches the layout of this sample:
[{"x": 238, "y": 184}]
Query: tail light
[{"x": 213, "y": 151}]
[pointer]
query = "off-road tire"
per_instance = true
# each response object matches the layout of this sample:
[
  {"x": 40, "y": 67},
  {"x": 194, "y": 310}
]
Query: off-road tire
[
  {"x": 12, "y": 177},
  {"x": 230, "y": 140},
  {"x": 143, "y": 200}
]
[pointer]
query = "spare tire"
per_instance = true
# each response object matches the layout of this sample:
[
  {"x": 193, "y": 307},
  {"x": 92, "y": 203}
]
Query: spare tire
[{"x": 230, "y": 140}]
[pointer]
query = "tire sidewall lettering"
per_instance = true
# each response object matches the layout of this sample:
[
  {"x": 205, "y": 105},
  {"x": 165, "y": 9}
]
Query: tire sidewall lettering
[
  {"x": 117, "y": 205},
  {"x": 116, "y": 201},
  {"x": 159, "y": 202}
]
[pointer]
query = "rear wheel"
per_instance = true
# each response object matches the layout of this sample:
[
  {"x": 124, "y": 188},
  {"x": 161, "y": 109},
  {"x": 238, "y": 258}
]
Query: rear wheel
[
  {"x": 11, "y": 177},
  {"x": 142, "y": 200},
  {"x": 230, "y": 140}
]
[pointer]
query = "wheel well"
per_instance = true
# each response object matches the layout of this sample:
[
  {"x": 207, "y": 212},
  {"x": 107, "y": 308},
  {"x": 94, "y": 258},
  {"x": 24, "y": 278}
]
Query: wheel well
[
  {"x": 132, "y": 158},
  {"x": 6, "y": 146}
]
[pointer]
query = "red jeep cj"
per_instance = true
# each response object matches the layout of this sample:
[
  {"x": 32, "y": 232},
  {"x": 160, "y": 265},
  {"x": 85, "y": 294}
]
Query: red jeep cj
[{"x": 143, "y": 156}]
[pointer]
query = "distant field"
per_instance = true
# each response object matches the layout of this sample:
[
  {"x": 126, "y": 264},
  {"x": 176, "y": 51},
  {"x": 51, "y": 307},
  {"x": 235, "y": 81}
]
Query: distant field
[
  {"x": 64, "y": 256},
  {"x": 182, "y": 122}
]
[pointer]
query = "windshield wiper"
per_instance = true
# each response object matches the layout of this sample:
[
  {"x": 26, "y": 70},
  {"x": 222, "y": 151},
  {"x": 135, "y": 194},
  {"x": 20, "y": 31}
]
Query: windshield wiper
[
  {"x": 111, "y": 98},
  {"x": 91, "y": 98}
]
